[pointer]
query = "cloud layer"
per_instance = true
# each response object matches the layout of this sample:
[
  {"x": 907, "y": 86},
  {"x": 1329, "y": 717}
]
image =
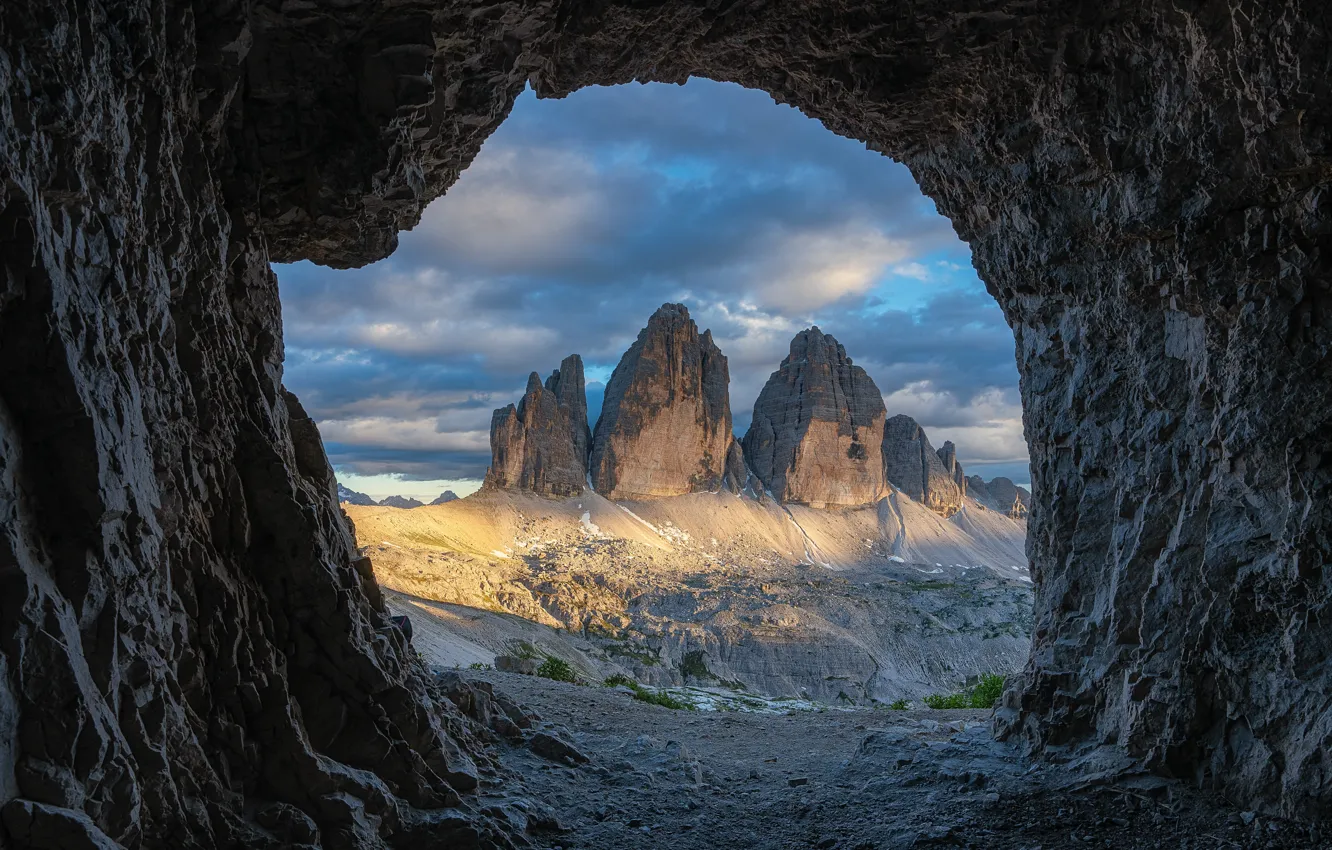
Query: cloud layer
[{"x": 580, "y": 216}]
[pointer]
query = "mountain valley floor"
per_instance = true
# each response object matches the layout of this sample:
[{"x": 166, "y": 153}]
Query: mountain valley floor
[{"x": 617, "y": 773}]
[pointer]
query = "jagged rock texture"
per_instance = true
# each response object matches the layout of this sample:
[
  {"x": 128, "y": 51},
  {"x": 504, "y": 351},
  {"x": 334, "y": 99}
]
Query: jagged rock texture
[
  {"x": 665, "y": 426},
  {"x": 948, "y": 457},
  {"x": 816, "y": 432},
  {"x": 913, "y": 466},
  {"x": 541, "y": 445},
  {"x": 1001, "y": 494},
  {"x": 1144, "y": 190},
  {"x": 450, "y": 496},
  {"x": 403, "y": 502}
]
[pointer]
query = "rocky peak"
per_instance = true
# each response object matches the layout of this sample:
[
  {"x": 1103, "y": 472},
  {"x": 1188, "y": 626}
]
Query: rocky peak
[
  {"x": 351, "y": 497},
  {"x": 816, "y": 433},
  {"x": 1000, "y": 494},
  {"x": 445, "y": 497},
  {"x": 404, "y": 502},
  {"x": 948, "y": 457},
  {"x": 913, "y": 466},
  {"x": 541, "y": 444},
  {"x": 665, "y": 426}
]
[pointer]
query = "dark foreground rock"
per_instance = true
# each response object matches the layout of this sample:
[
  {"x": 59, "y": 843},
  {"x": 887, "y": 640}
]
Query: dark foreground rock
[{"x": 186, "y": 636}]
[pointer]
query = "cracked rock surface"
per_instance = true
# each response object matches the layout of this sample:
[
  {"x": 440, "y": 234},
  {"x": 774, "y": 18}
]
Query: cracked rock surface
[{"x": 186, "y": 636}]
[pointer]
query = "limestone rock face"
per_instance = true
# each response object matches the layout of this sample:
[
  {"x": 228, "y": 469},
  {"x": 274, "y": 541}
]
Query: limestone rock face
[
  {"x": 913, "y": 466},
  {"x": 665, "y": 426},
  {"x": 816, "y": 433},
  {"x": 1001, "y": 494},
  {"x": 948, "y": 457},
  {"x": 445, "y": 497},
  {"x": 541, "y": 445},
  {"x": 1157, "y": 240}
]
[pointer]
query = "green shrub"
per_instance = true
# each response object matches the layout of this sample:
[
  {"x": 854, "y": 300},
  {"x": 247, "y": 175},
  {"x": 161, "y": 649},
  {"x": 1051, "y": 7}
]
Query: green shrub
[
  {"x": 899, "y": 705},
  {"x": 948, "y": 701},
  {"x": 695, "y": 665},
  {"x": 642, "y": 694},
  {"x": 986, "y": 694},
  {"x": 477, "y": 665},
  {"x": 983, "y": 695},
  {"x": 557, "y": 669}
]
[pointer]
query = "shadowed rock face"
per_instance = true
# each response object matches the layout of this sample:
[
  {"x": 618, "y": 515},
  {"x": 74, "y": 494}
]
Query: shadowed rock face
[
  {"x": 445, "y": 497},
  {"x": 185, "y": 618},
  {"x": 665, "y": 426},
  {"x": 913, "y": 466},
  {"x": 541, "y": 445},
  {"x": 948, "y": 457},
  {"x": 815, "y": 435},
  {"x": 1001, "y": 494}
]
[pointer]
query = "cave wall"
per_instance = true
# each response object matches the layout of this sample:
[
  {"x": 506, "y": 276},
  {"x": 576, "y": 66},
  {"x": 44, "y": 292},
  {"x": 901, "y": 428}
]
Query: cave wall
[{"x": 192, "y": 655}]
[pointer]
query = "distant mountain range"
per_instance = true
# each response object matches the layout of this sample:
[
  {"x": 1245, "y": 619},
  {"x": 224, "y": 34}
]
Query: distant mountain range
[
  {"x": 820, "y": 435},
  {"x": 351, "y": 497}
]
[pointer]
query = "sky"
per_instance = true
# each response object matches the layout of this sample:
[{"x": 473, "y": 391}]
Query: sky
[{"x": 581, "y": 216}]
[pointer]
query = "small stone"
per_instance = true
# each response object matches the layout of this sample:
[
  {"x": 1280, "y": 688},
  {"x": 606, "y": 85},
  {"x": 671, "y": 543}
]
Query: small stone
[
  {"x": 797, "y": 781},
  {"x": 1247, "y": 817}
]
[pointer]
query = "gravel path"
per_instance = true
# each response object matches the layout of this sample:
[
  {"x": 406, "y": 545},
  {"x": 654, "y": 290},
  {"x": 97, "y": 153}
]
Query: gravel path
[{"x": 659, "y": 779}]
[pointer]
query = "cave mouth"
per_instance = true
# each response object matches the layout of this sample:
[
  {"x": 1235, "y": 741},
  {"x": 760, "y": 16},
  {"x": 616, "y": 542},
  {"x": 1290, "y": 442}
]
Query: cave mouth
[
  {"x": 832, "y": 351},
  {"x": 1143, "y": 190},
  {"x": 579, "y": 217}
]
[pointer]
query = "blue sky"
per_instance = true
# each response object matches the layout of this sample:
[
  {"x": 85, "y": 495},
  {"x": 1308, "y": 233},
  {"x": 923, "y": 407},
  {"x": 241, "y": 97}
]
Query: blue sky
[{"x": 580, "y": 217}]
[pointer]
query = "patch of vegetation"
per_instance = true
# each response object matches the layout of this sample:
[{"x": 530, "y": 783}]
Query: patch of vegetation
[
  {"x": 694, "y": 665},
  {"x": 557, "y": 669},
  {"x": 639, "y": 654},
  {"x": 984, "y": 694},
  {"x": 642, "y": 694},
  {"x": 523, "y": 649},
  {"x": 899, "y": 705},
  {"x": 478, "y": 665}
]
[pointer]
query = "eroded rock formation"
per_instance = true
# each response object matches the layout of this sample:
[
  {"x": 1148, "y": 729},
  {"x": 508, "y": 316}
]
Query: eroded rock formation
[
  {"x": 816, "y": 432},
  {"x": 450, "y": 496},
  {"x": 665, "y": 426},
  {"x": 948, "y": 457},
  {"x": 1001, "y": 494},
  {"x": 541, "y": 445},
  {"x": 913, "y": 466},
  {"x": 188, "y": 636},
  {"x": 402, "y": 502}
]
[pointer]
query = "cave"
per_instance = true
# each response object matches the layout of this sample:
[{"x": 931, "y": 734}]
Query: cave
[{"x": 190, "y": 647}]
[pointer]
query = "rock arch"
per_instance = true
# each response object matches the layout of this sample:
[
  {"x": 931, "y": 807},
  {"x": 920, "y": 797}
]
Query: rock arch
[{"x": 184, "y": 627}]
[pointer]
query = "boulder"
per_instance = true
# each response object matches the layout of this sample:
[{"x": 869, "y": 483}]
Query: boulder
[
  {"x": 665, "y": 426},
  {"x": 541, "y": 445},
  {"x": 815, "y": 437},
  {"x": 912, "y": 465},
  {"x": 515, "y": 664}
]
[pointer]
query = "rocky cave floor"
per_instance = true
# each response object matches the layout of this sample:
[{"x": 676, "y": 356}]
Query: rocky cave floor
[{"x": 617, "y": 773}]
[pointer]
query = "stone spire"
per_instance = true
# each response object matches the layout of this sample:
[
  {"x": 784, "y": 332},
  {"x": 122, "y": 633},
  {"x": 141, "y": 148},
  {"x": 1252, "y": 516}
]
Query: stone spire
[
  {"x": 816, "y": 433},
  {"x": 665, "y": 427},
  {"x": 541, "y": 445},
  {"x": 912, "y": 465}
]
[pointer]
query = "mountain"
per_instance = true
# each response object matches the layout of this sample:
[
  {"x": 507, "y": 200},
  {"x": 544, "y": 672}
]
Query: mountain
[
  {"x": 665, "y": 426},
  {"x": 913, "y": 466},
  {"x": 542, "y": 444},
  {"x": 351, "y": 497},
  {"x": 1000, "y": 494},
  {"x": 816, "y": 435},
  {"x": 400, "y": 502},
  {"x": 445, "y": 497}
]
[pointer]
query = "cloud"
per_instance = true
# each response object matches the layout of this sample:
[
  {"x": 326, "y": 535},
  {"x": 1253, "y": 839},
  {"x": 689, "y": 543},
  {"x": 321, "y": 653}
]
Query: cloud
[{"x": 582, "y": 215}]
